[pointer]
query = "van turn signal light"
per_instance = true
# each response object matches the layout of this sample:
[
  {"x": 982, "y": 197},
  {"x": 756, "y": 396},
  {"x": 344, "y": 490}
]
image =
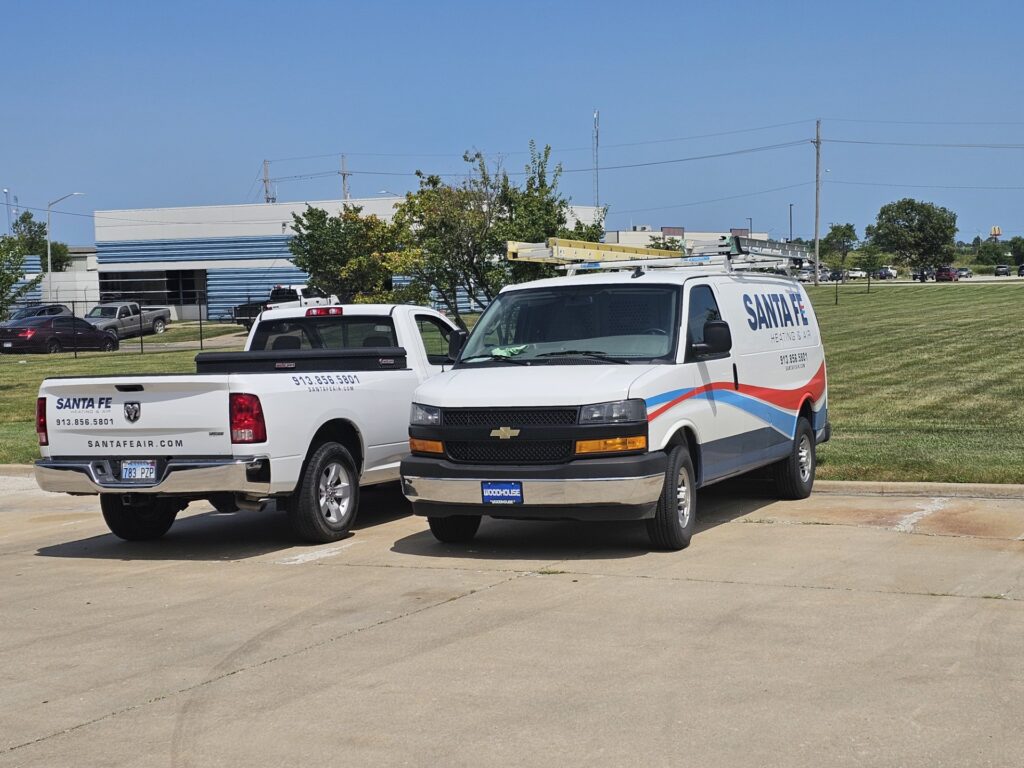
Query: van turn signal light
[
  {"x": 612, "y": 444},
  {"x": 416, "y": 445}
]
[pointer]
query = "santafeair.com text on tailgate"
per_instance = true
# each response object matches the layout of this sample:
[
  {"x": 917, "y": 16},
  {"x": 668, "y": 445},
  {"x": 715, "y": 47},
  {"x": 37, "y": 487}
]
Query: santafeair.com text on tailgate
[{"x": 315, "y": 406}]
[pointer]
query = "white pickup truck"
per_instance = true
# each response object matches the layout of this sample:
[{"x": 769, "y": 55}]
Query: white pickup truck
[{"x": 317, "y": 405}]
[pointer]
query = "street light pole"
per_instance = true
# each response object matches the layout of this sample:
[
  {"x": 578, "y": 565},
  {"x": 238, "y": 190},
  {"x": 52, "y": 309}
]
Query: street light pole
[
  {"x": 49, "y": 257},
  {"x": 791, "y": 222},
  {"x": 750, "y": 228}
]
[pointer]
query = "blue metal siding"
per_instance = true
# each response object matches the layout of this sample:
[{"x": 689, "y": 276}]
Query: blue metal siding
[
  {"x": 32, "y": 266},
  {"x": 226, "y": 288},
  {"x": 203, "y": 249}
]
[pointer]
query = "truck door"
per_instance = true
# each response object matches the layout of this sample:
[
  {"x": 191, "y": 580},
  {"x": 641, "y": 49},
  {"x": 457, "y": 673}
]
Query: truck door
[
  {"x": 721, "y": 427},
  {"x": 433, "y": 334}
]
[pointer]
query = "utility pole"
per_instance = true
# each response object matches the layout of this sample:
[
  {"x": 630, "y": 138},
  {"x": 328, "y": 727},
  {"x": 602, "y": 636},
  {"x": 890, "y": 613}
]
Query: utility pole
[
  {"x": 344, "y": 178},
  {"x": 791, "y": 222},
  {"x": 596, "y": 147},
  {"x": 750, "y": 227},
  {"x": 817, "y": 198},
  {"x": 268, "y": 196},
  {"x": 7, "y": 207}
]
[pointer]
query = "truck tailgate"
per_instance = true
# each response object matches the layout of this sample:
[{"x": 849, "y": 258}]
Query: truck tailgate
[{"x": 138, "y": 416}]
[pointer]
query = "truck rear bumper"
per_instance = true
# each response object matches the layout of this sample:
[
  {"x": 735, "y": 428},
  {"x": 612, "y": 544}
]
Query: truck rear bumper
[
  {"x": 625, "y": 488},
  {"x": 181, "y": 477}
]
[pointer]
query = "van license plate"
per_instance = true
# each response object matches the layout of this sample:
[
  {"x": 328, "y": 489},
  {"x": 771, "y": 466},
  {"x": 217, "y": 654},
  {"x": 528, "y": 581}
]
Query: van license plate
[
  {"x": 510, "y": 492},
  {"x": 138, "y": 470}
]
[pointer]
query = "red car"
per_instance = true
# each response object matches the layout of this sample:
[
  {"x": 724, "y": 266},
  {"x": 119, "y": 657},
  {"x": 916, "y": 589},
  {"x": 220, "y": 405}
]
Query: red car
[
  {"x": 54, "y": 334},
  {"x": 946, "y": 275}
]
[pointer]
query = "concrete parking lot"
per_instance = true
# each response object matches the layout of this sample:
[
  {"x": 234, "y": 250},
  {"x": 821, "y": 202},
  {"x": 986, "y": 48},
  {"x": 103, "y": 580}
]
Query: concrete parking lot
[{"x": 843, "y": 630}]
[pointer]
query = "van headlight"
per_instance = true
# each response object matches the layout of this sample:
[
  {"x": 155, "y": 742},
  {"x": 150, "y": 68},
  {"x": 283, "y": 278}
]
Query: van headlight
[
  {"x": 614, "y": 412},
  {"x": 424, "y": 416}
]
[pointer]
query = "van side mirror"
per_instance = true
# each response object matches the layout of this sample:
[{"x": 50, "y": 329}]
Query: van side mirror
[
  {"x": 717, "y": 339},
  {"x": 456, "y": 341}
]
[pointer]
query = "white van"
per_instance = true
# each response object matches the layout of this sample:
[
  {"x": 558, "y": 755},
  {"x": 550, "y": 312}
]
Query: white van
[{"x": 615, "y": 396}]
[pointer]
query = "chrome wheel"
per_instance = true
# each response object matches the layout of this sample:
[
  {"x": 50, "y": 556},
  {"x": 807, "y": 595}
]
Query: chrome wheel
[
  {"x": 805, "y": 458},
  {"x": 683, "y": 498},
  {"x": 335, "y": 489}
]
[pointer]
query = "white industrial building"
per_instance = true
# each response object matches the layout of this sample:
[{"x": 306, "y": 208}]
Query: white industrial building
[{"x": 222, "y": 255}]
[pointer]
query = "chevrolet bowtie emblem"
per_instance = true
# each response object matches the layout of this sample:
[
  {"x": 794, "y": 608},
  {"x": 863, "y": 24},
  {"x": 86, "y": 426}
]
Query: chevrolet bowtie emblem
[{"x": 504, "y": 433}]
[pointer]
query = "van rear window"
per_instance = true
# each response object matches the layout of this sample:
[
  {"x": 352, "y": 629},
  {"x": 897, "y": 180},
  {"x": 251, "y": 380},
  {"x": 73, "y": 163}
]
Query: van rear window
[{"x": 324, "y": 333}]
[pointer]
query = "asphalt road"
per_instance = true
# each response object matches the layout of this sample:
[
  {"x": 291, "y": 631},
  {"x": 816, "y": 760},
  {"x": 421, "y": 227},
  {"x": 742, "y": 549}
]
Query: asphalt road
[{"x": 839, "y": 631}]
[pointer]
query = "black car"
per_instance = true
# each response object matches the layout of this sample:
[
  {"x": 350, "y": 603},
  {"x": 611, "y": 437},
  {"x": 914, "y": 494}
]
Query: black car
[
  {"x": 54, "y": 334},
  {"x": 1002, "y": 270},
  {"x": 1020, "y": 271},
  {"x": 39, "y": 310}
]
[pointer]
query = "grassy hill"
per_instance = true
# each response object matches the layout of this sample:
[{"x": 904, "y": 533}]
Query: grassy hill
[{"x": 926, "y": 382}]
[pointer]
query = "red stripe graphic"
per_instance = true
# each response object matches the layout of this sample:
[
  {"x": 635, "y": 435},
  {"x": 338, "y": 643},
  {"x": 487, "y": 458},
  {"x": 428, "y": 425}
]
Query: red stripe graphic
[{"x": 790, "y": 399}]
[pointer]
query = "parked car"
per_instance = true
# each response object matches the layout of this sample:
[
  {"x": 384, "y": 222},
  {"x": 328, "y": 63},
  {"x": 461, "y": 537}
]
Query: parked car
[
  {"x": 1001, "y": 270},
  {"x": 946, "y": 275},
  {"x": 126, "y": 318},
  {"x": 835, "y": 276},
  {"x": 54, "y": 334},
  {"x": 805, "y": 275},
  {"x": 1020, "y": 271},
  {"x": 964, "y": 272},
  {"x": 887, "y": 273},
  {"x": 856, "y": 274},
  {"x": 39, "y": 310},
  {"x": 929, "y": 274}
]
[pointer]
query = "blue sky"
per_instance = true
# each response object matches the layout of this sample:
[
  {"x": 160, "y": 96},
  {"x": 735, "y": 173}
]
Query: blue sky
[{"x": 147, "y": 104}]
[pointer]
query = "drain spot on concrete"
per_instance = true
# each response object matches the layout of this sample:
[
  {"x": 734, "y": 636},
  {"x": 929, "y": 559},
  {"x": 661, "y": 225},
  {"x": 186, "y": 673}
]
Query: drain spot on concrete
[
  {"x": 320, "y": 554},
  {"x": 906, "y": 524}
]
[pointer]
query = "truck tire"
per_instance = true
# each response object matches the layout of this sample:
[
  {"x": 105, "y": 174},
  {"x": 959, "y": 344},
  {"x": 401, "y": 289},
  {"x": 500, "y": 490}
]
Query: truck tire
[
  {"x": 457, "y": 529},
  {"x": 325, "y": 501},
  {"x": 159, "y": 326},
  {"x": 146, "y": 519},
  {"x": 794, "y": 475},
  {"x": 672, "y": 525}
]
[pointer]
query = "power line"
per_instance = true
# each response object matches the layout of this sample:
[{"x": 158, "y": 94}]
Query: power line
[
  {"x": 924, "y": 144},
  {"x": 711, "y": 200},
  {"x": 920, "y": 186},
  {"x": 923, "y": 122}
]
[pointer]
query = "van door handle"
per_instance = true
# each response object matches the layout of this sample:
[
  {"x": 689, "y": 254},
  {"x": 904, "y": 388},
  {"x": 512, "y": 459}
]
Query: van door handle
[{"x": 735, "y": 377}]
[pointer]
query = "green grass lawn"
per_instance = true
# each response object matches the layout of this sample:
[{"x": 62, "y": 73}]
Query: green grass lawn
[
  {"x": 926, "y": 382},
  {"x": 187, "y": 332}
]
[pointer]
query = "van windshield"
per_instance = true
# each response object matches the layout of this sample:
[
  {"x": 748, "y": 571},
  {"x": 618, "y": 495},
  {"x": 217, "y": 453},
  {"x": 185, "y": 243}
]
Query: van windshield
[{"x": 575, "y": 324}]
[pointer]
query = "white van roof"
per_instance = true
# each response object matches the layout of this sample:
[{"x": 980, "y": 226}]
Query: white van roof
[{"x": 647, "y": 277}]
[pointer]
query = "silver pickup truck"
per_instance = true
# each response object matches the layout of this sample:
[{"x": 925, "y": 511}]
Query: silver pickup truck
[{"x": 126, "y": 318}]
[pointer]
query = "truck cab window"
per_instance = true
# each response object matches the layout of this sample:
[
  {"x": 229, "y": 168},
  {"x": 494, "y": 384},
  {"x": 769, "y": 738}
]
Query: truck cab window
[
  {"x": 703, "y": 308},
  {"x": 434, "y": 335}
]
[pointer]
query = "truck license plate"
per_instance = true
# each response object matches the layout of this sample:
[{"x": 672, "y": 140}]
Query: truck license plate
[
  {"x": 138, "y": 470},
  {"x": 510, "y": 492}
]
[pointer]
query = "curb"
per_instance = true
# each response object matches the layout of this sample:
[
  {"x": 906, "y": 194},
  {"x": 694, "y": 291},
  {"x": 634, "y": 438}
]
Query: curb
[
  {"x": 17, "y": 470},
  {"x": 955, "y": 490}
]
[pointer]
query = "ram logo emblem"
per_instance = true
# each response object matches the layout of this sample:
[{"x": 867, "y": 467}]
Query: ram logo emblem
[
  {"x": 504, "y": 433},
  {"x": 132, "y": 411}
]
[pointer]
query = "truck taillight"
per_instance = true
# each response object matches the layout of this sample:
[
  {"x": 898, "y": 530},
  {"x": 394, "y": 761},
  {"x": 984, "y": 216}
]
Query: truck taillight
[
  {"x": 247, "y": 424},
  {"x": 41, "y": 421},
  {"x": 324, "y": 311}
]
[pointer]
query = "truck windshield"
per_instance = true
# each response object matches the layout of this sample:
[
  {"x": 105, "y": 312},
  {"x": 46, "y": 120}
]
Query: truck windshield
[
  {"x": 603, "y": 322},
  {"x": 103, "y": 312}
]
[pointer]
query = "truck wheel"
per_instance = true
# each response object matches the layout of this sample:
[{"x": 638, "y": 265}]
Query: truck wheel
[
  {"x": 148, "y": 518},
  {"x": 324, "y": 504},
  {"x": 794, "y": 475},
  {"x": 457, "y": 529},
  {"x": 158, "y": 326},
  {"x": 672, "y": 525}
]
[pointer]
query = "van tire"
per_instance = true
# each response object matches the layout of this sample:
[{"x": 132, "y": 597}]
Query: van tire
[
  {"x": 148, "y": 518},
  {"x": 457, "y": 529},
  {"x": 672, "y": 526},
  {"x": 794, "y": 475},
  {"x": 315, "y": 515}
]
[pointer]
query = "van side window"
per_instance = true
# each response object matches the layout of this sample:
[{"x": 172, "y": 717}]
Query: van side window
[
  {"x": 434, "y": 335},
  {"x": 703, "y": 308}
]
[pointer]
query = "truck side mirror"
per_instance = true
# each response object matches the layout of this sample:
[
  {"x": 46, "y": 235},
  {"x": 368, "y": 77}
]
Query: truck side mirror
[
  {"x": 717, "y": 339},
  {"x": 456, "y": 341}
]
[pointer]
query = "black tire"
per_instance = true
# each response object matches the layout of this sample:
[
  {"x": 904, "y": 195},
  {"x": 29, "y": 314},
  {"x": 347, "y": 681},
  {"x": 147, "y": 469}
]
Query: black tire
[
  {"x": 457, "y": 529},
  {"x": 672, "y": 525},
  {"x": 53, "y": 347},
  {"x": 794, "y": 475},
  {"x": 148, "y": 518},
  {"x": 159, "y": 326},
  {"x": 331, "y": 520},
  {"x": 109, "y": 345}
]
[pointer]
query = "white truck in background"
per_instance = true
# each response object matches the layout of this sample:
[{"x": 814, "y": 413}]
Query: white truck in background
[
  {"x": 282, "y": 297},
  {"x": 315, "y": 406}
]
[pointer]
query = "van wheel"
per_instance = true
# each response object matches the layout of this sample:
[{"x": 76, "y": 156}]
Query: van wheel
[
  {"x": 794, "y": 475},
  {"x": 457, "y": 529},
  {"x": 672, "y": 525},
  {"x": 148, "y": 518},
  {"x": 323, "y": 506},
  {"x": 158, "y": 326}
]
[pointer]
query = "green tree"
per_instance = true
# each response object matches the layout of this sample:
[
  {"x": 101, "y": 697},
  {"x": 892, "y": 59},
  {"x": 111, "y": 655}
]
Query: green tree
[
  {"x": 869, "y": 257},
  {"x": 1016, "y": 249},
  {"x": 919, "y": 234},
  {"x": 31, "y": 237},
  {"x": 12, "y": 272},
  {"x": 840, "y": 240},
  {"x": 662, "y": 243},
  {"x": 351, "y": 255},
  {"x": 993, "y": 252}
]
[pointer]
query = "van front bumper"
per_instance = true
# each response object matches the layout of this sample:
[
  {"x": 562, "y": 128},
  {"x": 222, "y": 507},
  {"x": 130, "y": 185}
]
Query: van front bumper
[
  {"x": 179, "y": 477},
  {"x": 618, "y": 488}
]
